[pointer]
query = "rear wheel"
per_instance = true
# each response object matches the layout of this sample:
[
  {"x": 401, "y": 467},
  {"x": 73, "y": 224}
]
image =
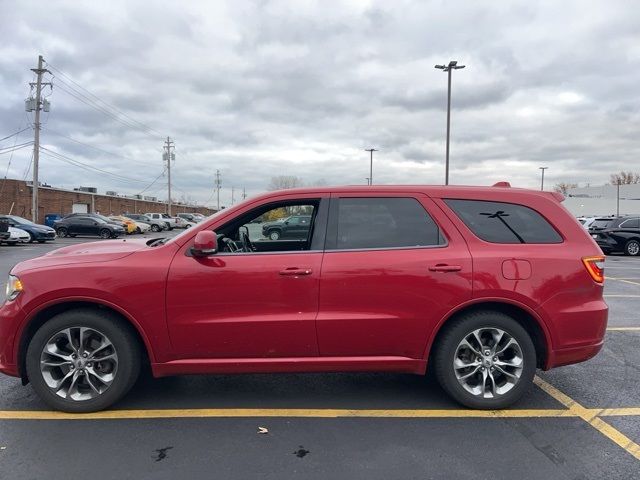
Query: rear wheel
[
  {"x": 155, "y": 228},
  {"x": 62, "y": 232},
  {"x": 485, "y": 360},
  {"x": 104, "y": 233},
  {"x": 83, "y": 361},
  {"x": 632, "y": 247}
]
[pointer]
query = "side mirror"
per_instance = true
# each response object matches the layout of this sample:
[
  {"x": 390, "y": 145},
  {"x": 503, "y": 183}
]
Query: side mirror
[{"x": 205, "y": 244}]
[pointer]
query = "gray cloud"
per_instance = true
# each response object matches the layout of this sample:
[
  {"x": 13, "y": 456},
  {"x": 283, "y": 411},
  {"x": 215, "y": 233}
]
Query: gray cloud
[{"x": 262, "y": 88}]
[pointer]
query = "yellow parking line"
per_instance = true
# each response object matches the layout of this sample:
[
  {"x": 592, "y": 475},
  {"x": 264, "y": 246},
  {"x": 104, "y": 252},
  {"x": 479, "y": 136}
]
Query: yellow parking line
[
  {"x": 281, "y": 412},
  {"x": 623, "y": 329},
  {"x": 619, "y": 412},
  {"x": 620, "y": 296},
  {"x": 591, "y": 417}
]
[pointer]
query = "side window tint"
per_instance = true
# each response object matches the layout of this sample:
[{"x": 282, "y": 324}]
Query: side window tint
[
  {"x": 631, "y": 223},
  {"x": 384, "y": 223},
  {"x": 498, "y": 222}
]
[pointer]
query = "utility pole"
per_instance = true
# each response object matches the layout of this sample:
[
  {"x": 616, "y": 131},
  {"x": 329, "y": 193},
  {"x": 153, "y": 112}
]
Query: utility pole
[
  {"x": 218, "y": 184},
  {"x": 244, "y": 193},
  {"x": 453, "y": 65},
  {"x": 233, "y": 192},
  {"x": 169, "y": 156},
  {"x": 370, "y": 150},
  {"x": 37, "y": 104},
  {"x": 542, "y": 169}
]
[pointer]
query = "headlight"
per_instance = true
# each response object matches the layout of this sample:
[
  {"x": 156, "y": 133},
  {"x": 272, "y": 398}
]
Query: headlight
[{"x": 14, "y": 287}]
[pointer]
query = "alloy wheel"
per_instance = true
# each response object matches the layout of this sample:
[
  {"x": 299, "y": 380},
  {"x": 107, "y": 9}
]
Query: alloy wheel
[
  {"x": 488, "y": 362},
  {"x": 79, "y": 363}
]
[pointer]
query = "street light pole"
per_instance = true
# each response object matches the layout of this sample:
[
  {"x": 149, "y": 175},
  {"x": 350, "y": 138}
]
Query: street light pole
[
  {"x": 370, "y": 150},
  {"x": 542, "y": 169},
  {"x": 453, "y": 65}
]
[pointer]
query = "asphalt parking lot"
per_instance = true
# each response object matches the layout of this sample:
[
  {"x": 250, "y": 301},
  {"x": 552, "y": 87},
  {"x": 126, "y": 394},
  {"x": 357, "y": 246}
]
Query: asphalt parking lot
[{"x": 577, "y": 422}]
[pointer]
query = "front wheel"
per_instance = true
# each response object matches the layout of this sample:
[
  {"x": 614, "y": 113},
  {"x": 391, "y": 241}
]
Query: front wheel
[
  {"x": 155, "y": 228},
  {"x": 274, "y": 235},
  {"x": 104, "y": 233},
  {"x": 62, "y": 232},
  {"x": 632, "y": 247},
  {"x": 485, "y": 360},
  {"x": 83, "y": 361}
]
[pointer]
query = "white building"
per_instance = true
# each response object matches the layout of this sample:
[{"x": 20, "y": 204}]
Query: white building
[{"x": 602, "y": 200}]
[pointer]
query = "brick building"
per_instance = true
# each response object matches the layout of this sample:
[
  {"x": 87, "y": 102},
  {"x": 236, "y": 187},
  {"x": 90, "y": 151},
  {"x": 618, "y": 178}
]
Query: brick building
[{"x": 15, "y": 198}]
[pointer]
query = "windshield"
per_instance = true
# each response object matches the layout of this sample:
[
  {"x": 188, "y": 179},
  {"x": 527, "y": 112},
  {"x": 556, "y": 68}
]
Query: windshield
[
  {"x": 189, "y": 231},
  {"x": 20, "y": 220}
]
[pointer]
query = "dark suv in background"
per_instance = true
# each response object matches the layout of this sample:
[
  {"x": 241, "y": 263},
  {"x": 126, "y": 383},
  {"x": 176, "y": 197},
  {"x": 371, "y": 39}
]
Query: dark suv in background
[
  {"x": 618, "y": 234},
  {"x": 295, "y": 226}
]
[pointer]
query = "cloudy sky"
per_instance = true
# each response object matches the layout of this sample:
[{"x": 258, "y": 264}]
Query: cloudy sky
[{"x": 264, "y": 88}]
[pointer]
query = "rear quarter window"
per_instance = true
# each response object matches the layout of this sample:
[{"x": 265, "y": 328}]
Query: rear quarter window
[{"x": 498, "y": 222}]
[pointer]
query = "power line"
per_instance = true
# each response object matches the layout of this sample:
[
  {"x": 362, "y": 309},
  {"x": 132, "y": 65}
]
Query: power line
[
  {"x": 151, "y": 184},
  {"x": 98, "y": 99},
  {"x": 15, "y": 147},
  {"x": 100, "y": 104},
  {"x": 85, "y": 166},
  {"x": 82, "y": 98},
  {"x": 98, "y": 148},
  {"x": 13, "y": 134}
]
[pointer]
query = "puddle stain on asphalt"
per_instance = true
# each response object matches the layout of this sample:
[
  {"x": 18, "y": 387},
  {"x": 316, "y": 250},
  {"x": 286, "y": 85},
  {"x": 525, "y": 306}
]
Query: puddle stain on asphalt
[
  {"x": 301, "y": 452},
  {"x": 162, "y": 453}
]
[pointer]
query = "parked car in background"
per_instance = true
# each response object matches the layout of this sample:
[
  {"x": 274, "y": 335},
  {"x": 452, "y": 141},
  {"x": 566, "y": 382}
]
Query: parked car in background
[
  {"x": 17, "y": 236},
  {"x": 172, "y": 222},
  {"x": 621, "y": 234},
  {"x": 4, "y": 230},
  {"x": 128, "y": 224},
  {"x": 481, "y": 284},
  {"x": 37, "y": 233},
  {"x": 586, "y": 221},
  {"x": 600, "y": 223},
  {"x": 295, "y": 226},
  {"x": 101, "y": 217},
  {"x": 50, "y": 218},
  {"x": 87, "y": 225},
  {"x": 189, "y": 217},
  {"x": 157, "y": 225}
]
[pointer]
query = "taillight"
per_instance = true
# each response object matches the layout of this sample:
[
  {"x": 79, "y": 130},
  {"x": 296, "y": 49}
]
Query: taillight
[{"x": 595, "y": 267}]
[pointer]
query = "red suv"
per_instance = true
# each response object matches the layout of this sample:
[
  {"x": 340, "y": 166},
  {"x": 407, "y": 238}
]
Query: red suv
[{"x": 483, "y": 284}]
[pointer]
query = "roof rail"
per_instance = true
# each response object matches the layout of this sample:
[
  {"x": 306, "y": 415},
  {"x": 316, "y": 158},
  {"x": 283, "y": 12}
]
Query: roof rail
[{"x": 502, "y": 184}]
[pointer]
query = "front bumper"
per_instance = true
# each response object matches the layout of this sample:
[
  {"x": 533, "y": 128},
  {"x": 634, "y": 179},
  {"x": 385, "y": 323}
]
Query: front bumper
[{"x": 11, "y": 315}]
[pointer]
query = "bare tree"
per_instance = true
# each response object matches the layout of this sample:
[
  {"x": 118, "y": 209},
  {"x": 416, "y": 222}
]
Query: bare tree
[
  {"x": 564, "y": 187},
  {"x": 283, "y": 182},
  {"x": 625, "y": 178}
]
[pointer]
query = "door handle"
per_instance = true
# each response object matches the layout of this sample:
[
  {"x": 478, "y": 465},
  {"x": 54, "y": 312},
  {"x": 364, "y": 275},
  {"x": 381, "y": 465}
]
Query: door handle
[
  {"x": 295, "y": 271},
  {"x": 445, "y": 268}
]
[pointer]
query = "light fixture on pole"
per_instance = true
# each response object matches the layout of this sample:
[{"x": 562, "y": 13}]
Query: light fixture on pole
[
  {"x": 370, "y": 150},
  {"x": 542, "y": 169},
  {"x": 453, "y": 65}
]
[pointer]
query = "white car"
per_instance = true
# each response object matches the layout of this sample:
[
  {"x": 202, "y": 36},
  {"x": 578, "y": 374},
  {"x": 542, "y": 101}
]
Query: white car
[
  {"x": 17, "y": 236},
  {"x": 142, "y": 227}
]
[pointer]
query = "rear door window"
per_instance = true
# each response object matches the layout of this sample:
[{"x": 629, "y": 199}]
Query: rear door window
[
  {"x": 630, "y": 223},
  {"x": 499, "y": 222},
  {"x": 384, "y": 222}
]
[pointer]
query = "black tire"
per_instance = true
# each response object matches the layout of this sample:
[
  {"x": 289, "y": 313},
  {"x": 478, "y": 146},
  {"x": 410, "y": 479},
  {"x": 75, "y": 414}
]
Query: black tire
[
  {"x": 41, "y": 241},
  {"x": 62, "y": 232},
  {"x": 274, "y": 234},
  {"x": 632, "y": 248},
  {"x": 105, "y": 233},
  {"x": 155, "y": 228},
  {"x": 455, "y": 332},
  {"x": 138, "y": 231},
  {"x": 121, "y": 336}
]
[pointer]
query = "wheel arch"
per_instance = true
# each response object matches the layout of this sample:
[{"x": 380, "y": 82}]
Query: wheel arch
[
  {"x": 527, "y": 319},
  {"x": 39, "y": 317}
]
